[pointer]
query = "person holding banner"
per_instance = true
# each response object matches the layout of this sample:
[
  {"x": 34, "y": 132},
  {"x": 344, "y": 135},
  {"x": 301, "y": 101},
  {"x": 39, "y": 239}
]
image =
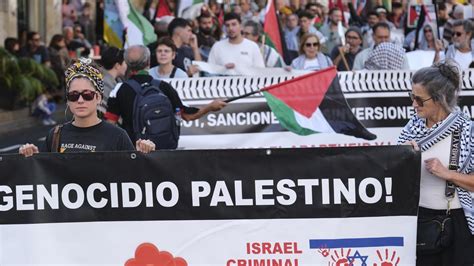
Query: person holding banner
[
  {"x": 86, "y": 132},
  {"x": 444, "y": 134}
]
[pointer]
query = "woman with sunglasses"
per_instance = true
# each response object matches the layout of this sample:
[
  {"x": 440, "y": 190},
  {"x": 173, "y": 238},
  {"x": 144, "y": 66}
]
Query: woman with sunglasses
[
  {"x": 311, "y": 57},
  {"x": 437, "y": 121},
  {"x": 86, "y": 132},
  {"x": 428, "y": 41}
]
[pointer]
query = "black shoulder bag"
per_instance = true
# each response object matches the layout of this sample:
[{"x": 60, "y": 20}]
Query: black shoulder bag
[{"x": 436, "y": 234}]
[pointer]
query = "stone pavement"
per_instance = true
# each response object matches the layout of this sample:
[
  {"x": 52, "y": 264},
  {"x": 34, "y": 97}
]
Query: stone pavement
[{"x": 20, "y": 119}]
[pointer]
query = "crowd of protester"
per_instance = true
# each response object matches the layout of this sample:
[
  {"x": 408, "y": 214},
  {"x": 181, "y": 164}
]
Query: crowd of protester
[{"x": 314, "y": 34}]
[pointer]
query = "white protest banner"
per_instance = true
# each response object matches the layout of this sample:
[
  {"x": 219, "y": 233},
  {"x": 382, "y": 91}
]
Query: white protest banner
[
  {"x": 419, "y": 59},
  {"x": 211, "y": 207},
  {"x": 379, "y": 100}
]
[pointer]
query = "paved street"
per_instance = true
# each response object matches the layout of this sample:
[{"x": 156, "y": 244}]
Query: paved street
[
  {"x": 9, "y": 142},
  {"x": 28, "y": 131}
]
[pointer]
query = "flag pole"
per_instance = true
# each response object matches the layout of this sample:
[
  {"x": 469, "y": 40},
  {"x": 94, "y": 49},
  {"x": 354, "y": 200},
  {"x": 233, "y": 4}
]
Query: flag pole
[
  {"x": 346, "y": 65},
  {"x": 435, "y": 3},
  {"x": 228, "y": 100},
  {"x": 153, "y": 20}
]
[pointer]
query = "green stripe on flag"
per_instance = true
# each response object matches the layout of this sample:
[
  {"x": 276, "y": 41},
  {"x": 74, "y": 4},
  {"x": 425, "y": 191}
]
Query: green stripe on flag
[
  {"x": 286, "y": 115},
  {"x": 147, "y": 30},
  {"x": 269, "y": 41}
]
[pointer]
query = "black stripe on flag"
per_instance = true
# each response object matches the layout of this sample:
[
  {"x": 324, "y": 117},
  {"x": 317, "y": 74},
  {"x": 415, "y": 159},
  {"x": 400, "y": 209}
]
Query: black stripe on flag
[{"x": 338, "y": 114}]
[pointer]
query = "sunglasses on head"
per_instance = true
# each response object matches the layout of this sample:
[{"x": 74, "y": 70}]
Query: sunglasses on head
[
  {"x": 87, "y": 95},
  {"x": 309, "y": 44},
  {"x": 419, "y": 101}
]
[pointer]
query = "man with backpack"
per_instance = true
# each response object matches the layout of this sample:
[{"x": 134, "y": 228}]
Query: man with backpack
[{"x": 149, "y": 107}]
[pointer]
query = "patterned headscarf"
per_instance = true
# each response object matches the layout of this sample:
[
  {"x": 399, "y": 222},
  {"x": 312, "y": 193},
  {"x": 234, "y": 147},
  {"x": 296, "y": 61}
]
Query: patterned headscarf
[
  {"x": 386, "y": 56},
  {"x": 84, "y": 68}
]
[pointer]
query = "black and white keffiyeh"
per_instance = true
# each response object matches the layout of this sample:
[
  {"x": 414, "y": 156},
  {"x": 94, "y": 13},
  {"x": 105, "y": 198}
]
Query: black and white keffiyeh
[
  {"x": 426, "y": 137},
  {"x": 386, "y": 56}
]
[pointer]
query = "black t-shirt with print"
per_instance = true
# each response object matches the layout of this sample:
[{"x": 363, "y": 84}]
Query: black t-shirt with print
[
  {"x": 101, "y": 137},
  {"x": 184, "y": 57}
]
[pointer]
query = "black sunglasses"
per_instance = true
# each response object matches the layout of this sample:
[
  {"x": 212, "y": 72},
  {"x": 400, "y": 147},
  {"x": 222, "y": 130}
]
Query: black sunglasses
[
  {"x": 419, "y": 101},
  {"x": 458, "y": 34},
  {"x": 309, "y": 44},
  {"x": 428, "y": 30},
  {"x": 87, "y": 95}
]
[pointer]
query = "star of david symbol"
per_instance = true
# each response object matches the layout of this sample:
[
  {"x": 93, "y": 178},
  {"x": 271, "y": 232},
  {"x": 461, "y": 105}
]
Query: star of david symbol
[{"x": 357, "y": 255}]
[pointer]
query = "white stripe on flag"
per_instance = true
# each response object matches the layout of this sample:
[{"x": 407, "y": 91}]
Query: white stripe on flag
[{"x": 317, "y": 122}]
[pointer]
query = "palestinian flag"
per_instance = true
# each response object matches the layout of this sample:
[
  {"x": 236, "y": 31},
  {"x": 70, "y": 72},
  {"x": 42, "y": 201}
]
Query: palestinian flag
[
  {"x": 113, "y": 27},
  {"x": 186, "y": 7},
  {"x": 314, "y": 103},
  {"x": 139, "y": 29},
  {"x": 271, "y": 28},
  {"x": 162, "y": 9}
]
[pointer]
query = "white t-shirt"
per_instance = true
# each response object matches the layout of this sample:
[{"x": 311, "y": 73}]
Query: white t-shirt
[
  {"x": 432, "y": 187},
  {"x": 154, "y": 72},
  {"x": 311, "y": 64},
  {"x": 244, "y": 54},
  {"x": 463, "y": 59}
]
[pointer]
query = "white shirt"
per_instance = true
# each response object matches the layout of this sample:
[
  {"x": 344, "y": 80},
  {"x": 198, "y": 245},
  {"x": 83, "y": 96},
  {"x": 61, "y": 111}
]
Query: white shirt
[
  {"x": 311, "y": 64},
  {"x": 432, "y": 187},
  {"x": 155, "y": 73},
  {"x": 244, "y": 54},
  {"x": 463, "y": 59}
]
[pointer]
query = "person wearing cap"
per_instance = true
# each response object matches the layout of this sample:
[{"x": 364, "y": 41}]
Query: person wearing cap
[
  {"x": 86, "y": 132},
  {"x": 349, "y": 51},
  {"x": 383, "y": 16}
]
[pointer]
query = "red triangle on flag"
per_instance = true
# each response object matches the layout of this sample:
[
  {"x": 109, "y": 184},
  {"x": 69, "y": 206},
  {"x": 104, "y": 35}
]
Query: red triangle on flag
[
  {"x": 163, "y": 9},
  {"x": 304, "y": 94},
  {"x": 271, "y": 28}
]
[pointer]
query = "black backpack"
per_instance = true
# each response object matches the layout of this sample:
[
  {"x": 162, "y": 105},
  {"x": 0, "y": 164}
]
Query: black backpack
[{"x": 153, "y": 115}]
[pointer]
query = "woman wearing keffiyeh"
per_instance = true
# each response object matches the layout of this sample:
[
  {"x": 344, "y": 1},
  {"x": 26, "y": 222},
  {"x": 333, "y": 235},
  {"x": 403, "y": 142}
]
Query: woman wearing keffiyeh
[{"x": 434, "y": 95}]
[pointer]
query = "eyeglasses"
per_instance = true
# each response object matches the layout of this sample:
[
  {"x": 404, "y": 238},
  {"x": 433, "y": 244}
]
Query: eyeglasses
[
  {"x": 419, "y": 101},
  {"x": 457, "y": 34},
  {"x": 87, "y": 95},
  {"x": 164, "y": 51},
  {"x": 349, "y": 37},
  {"x": 309, "y": 44}
]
